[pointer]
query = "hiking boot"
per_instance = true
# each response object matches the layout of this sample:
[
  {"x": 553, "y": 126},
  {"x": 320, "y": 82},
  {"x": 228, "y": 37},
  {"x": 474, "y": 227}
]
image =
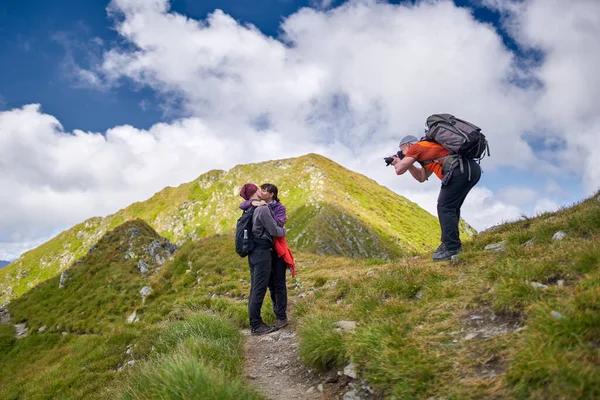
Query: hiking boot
[
  {"x": 280, "y": 323},
  {"x": 262, "y": 330},
  {"x": 445, "y": 255}
]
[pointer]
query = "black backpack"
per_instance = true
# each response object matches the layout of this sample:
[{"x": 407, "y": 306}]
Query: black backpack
[
  {"x": 244, "y": 241},
  {"x": 457, "y": 136}
]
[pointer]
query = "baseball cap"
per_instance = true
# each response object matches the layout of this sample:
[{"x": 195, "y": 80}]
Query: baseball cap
[{"x": 408, "y": 139}]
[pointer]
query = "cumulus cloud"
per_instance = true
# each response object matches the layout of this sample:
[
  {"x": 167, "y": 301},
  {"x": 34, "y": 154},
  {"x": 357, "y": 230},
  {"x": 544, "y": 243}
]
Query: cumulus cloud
[{"x": 346, "y": 82}]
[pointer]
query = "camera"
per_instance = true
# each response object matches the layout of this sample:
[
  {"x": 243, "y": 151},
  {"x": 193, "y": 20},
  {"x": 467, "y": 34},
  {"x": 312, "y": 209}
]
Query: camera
[{"x": 390, "y": 160}]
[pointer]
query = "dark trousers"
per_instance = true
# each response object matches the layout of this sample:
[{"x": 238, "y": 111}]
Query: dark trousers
[
  {"x": 277, "y": 287},
  {"x": 451, "y": 198},
  {"x": 260, "y": 261}
]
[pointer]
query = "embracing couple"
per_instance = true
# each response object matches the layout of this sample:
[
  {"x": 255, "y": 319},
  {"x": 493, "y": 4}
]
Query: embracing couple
[{"x": 270, "y": 256}]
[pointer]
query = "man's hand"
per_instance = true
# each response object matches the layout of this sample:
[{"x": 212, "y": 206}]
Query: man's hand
[{"x": 257, "y": 203}]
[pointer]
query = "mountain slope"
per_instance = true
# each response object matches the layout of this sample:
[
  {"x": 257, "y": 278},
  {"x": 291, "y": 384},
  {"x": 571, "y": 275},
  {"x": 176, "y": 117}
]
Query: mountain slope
[
  {"x": 522, "y": 322},
  {"x": 331, "y": 211}
]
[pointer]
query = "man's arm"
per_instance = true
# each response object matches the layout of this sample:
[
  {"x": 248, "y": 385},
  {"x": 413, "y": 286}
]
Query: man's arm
[
  {"x": 420, "y": 174},
  {"x": 264, "y": 214},
  {"x": 403, "y": 165}
]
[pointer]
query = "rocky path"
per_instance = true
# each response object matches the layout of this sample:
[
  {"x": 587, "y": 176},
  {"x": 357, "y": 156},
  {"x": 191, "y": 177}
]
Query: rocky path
[
  {"x": 272, "y": 366},
  {"x": 274, "y": 369}
]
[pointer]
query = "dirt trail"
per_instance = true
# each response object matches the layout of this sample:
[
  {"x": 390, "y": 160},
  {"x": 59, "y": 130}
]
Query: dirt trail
[{"x": 272, "y": 366}]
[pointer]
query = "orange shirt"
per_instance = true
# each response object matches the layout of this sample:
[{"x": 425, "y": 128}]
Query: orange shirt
[{"x": 425, "y": 151}]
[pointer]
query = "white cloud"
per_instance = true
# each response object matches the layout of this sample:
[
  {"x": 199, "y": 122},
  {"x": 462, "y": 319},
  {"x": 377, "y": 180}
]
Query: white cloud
[
  {"x": 544, "y": 205},
  {"x": 347, "y": 82}
]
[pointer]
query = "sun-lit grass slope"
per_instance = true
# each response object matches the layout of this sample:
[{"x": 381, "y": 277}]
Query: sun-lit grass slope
[
  {"x": 99, "y": 289},
  {"x": 332, "y": 211},
  {"x": 184, "y": 338},
  {"x": 483, "y": 327}
]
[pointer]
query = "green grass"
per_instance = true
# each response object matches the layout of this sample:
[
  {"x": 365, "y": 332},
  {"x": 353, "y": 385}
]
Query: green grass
[
  {"x": 424, "y": 329},
  {"x": 416, "y": 337},
  {"x": 198, "y": 358}
]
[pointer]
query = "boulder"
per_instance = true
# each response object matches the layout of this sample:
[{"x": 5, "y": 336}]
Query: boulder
[
  {"x": 538, "y": 285},
  {"x": 556, "y": 315},
  {"x": 63, "y": 280},
  {"x": 133, "y": 318},
  {"x": 350, "y": 371},
  {"x": 500, "y": 246},
  {"x": 21, "y": 330},
  {"x": 346, "y": 326},
  {"x": 142, "y": 266},
  {"x": 145, "y": 292},
  {"x": 560, "y": 235}
]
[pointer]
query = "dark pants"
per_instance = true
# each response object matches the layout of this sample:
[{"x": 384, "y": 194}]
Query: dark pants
[
  {"x": 451, "y": 198},
  {"x": 260, "y": 272},
  {"x": 277, "y": 287}
]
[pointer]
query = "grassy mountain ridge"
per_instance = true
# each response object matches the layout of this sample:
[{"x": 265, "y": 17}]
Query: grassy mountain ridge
[
  {"x": 331, "y": 211},
  {"x": 477, "y": 328}
]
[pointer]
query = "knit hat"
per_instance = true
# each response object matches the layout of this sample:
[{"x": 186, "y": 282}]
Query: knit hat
[
  {"x": 408, "y": 139},
  {"x": 248, "y": 190}
]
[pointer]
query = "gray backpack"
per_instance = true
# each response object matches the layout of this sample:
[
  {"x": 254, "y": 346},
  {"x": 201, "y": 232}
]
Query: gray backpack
[{"x": 457, "y": 136}]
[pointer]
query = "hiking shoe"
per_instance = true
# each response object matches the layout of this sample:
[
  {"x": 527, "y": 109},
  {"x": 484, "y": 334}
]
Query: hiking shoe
[
  {"x": 262, "y": 330},
  {"x": 445, "y": 255},
  {"x": 280, "y": 323}
]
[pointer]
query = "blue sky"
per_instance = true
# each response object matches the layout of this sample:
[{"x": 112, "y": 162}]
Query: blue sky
[
  {"x": 40, "y": 36},
  {"x": 110, "y": 76}
]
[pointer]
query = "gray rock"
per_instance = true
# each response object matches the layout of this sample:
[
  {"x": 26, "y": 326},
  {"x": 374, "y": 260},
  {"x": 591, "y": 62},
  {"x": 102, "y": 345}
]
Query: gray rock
[
  {"x": 560, "y": 235},
  {"x": 42, "y": 329},
  {"x": 130, "y": 255},
  {"x": 538, "y": 285},
  {"x": 21, "y": 330},
  {"x": 133, "y": 318},
  {"x": 500, "y": 246},
  {"x": 134, "y": 232},
  {"x": 64, "y": 333},
  {"x": 560, "y": 282},
  {"x": 4, "y": 316},
  {"x": 320, "y": 388},
  {"x": 351, "y": 395},
  {"x": 131, "y": 363},
  {"x": 556, "y": 315},
  {"x": 346, "y": 326},
  {"x": 528, "y": 243},
  {"x": 419, "y": 295},
  {"x": 371, "y": 272},
  {"x": 92, "y": 248},
  {"x": 63, "y": 280},
  {"x": 145, "y": 292},
  {"x": 471, "y": 336},
  {"x": 142, "y": 266},
  {"x": 350, "y": 371},
  {"x": 310, "y": 390}
]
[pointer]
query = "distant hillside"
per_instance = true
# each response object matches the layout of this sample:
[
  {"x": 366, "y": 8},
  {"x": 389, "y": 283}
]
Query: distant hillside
[
  {"x": 4, "y": 263},
  {"x": 332, "y": 211}
]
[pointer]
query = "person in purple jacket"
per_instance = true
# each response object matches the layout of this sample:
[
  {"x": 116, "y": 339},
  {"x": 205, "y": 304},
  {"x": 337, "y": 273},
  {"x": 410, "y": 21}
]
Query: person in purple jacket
[
  {"x": 277, "y": 282},
  {"x": 277, "y": 209}
]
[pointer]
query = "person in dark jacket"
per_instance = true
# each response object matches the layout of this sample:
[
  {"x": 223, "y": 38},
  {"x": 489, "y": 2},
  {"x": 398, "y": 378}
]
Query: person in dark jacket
[
  {"x": 456, "y": 185},
  {"x": 264, "y": 229}
]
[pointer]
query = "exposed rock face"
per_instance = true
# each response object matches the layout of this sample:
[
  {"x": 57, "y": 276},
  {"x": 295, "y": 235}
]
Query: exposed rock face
[
  {"x": 4, "y": 316},
  {"x": 145, "y": 292},
  {"x": 21, "y": 330},
  {"x": 63, "y": 280},
  {"x": 142, "y": 266},
  {"x": 160, "y": 252}
]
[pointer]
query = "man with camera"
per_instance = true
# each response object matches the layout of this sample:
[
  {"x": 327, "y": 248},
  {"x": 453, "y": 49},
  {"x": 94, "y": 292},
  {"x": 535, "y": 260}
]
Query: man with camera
[{"x": 458, "y": 175}]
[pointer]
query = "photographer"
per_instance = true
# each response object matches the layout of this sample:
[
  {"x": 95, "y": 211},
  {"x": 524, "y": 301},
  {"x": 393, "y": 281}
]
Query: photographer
[{"x": 458, "y": 178}]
